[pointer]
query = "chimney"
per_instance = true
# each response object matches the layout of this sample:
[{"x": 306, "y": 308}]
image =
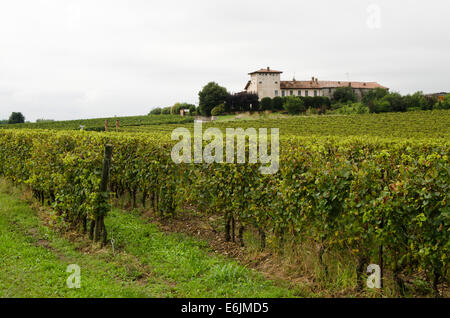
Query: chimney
[
  {"x": 312, "y": 78},
  {"x": 317, "y": 80}
]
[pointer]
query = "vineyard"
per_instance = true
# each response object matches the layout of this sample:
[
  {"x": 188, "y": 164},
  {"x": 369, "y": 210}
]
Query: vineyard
[
  {"x": 376, "y": 186},
  {"x": 98, "y": 124}
]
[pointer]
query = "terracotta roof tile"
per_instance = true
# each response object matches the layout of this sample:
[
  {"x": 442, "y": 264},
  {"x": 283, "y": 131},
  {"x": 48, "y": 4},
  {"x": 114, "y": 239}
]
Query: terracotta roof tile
[
  {"x": 266, "y": 70},
  {"x": 327, "y": 84}
]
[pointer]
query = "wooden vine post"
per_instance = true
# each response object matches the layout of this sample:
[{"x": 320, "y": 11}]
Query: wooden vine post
[{"x": 100, "y": 229}]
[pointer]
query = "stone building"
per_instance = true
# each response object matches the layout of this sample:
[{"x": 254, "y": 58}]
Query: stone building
[{"x": 268, "y": 83}]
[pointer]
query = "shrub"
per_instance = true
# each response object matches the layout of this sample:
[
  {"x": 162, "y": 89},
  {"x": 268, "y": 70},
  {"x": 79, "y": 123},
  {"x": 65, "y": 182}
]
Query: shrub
[
  {"x": 294, "y": 105},
  {"x": 218, "y": 110},
  {"x": 355, "y": 108},
  {"x": 266, "y": 103},
  {"x": 380, "y": 106},
  {"x": 277, "y": 103}
]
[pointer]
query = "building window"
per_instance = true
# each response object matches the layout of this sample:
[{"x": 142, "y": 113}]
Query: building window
[
  {"x": 306, "y": 93},
  {"x": 315, "y": 93},
  {"x": 282, "y": 93},
  {"x": 299, "y": 93},
  {"x": 291, "y": 93},
  {"x": 276, "y": 82},
  {"x": 276, "y": 93},
  {"x": 329, "y": 90},
  {"x": 260, "y": 82}
]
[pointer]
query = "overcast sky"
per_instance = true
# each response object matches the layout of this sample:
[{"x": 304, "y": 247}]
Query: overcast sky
[{"x": 62, "y": 59}]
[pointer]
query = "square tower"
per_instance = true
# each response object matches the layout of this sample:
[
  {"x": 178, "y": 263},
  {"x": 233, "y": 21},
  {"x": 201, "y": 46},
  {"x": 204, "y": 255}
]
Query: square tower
[{"x": 265, "y": 83}]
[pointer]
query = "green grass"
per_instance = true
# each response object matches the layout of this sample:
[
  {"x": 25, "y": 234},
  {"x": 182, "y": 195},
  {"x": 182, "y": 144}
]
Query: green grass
[
  {"x": 188, "y": 262},
  {"x": 146, "y": 262}
]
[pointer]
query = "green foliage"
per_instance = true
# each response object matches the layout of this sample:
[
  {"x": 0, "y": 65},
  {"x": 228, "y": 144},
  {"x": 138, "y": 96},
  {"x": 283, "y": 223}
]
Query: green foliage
[
  {"x": 380, "y": 106},
  {"x": 156, "y": 111},
  {"x": 266, "y": 103},
  {"x": 344, "y": 95},
  {"x": 16, "y": 118},
  {"x": 166, "y": 110},
  {"x": 45, "y": 120},
  {"x": 445, "y": 104},
  {"x": 218, "y": 110},
  {"x": 418, "y": 101},
  {"x": 396, "y": 101},
  {"x": 373, "y": 94},
  {"x": 380, "y": 101},
  {"x": 277, "y": 103},
  {"x": 316, "y": 102},
  {"x": 341, "y": 191},
  {"x": 210, "y": 96},
  {"x": 175, "y": 110},
  {"x": 242, "y": 101},
  {"x": 192, "y": 110},
  {"x": 355, "y": 108},
  {"x": 294, "y": 105}
]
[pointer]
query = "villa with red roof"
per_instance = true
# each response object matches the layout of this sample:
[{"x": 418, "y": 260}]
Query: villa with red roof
[{"x": 267, "y": 83}]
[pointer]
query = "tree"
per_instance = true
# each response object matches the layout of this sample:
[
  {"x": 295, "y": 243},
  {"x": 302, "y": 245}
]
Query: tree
[
  {"x": 277, "y": 103},
  {"x": 431, "y": 101},
  {"x": 16, "y": 118},
  {"x": 417, "y": 101},
  {"x": 242, "y": 101},
  {"x": 175, "y": 109},
  {"x": 397, "y": 102},
  {"x": 344, "y": 95},
  {"x": 166, "y": 110},
  {"x": 294, "y": 105},
  {"x": 373, "y": 94},
  {"x": 266, "y": 103},
  {"x": 156, "y": 111},
  {"x": 210, "y": 96},
  {"x": 192, "y": 110}
]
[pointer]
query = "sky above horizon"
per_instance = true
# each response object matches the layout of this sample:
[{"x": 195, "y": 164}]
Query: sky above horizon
[{"x": 64, "y": 59}]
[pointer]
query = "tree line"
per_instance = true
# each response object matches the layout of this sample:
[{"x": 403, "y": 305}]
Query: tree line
[{"x": 216, "y": 100}]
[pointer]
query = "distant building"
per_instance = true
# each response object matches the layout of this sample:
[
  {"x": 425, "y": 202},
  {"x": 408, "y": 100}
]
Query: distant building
[
  {"x": 267, "y": 83},
  {"x": 439, "y": 96}
]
